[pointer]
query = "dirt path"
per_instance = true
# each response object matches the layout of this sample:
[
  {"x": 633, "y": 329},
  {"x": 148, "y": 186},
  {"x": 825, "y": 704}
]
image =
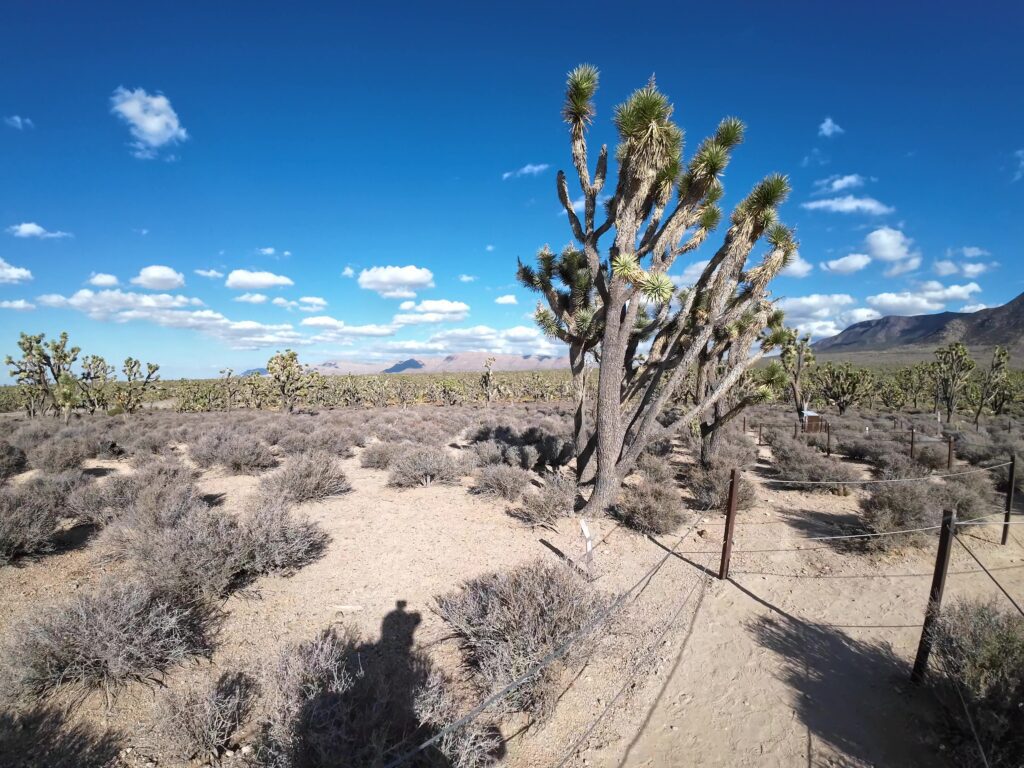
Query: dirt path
[{"x": 803, "y": 657}]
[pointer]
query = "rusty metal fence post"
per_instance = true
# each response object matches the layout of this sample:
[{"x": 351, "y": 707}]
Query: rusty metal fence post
[
  {"x": 730, "y": 524},
  {"x": 924, "y": 648}
]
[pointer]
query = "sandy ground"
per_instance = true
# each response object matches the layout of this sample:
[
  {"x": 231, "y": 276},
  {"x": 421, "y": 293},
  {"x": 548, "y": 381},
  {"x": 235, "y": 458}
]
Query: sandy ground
[{"x": 802, "y": 658}]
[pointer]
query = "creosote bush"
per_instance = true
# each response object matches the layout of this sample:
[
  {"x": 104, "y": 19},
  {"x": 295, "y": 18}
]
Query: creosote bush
[
  {"x": 648, "y": 506},
  {"x": 31, "y": 511},
  {"x": 122, "y": 632},
  {"x": 795, "y": 460},
  {"x": 236, "y": 453},
  {"x": 502, "y": 480},
  {"x": 201, "y": 721},
  {"x": 900, "y": 506},
  {"x": 278, "y": 540},
  {"x": 980, "y": 649},
  {"x": 424, "y": 465},
  {"x": 379, "y": 455},
  {"x": 312, "y": 476},
  {"x": 59, "y": 454},
  {"x": 12, "y": 461},
  {"x": 507, "y": 622}
]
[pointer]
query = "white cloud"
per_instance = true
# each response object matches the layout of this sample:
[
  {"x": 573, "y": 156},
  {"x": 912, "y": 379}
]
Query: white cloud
[
  {"x": 691, "y": 274},
  {"x": 18, "y": 305},
  {"x": 431, "y": 311},
  {"x": 467, "y": 278},
  {"x": 860, "y": 315},
  {"x": 519, "y": 340},
  {"x": 158, "y": 278},
  {"x": 945, "y": 267},
  {"x": 103, "y": 280},
  {"x": 973, "y": 307},
  {"x": 798, "y": 267},
  {"x": 508, "y": 298},
  {"x": 849, "y": 204},
  {"x": 252, "y": 298},
  {"x": 903, "y": 267},
  {"x": 31, "y": 229},
  {"x": 888, "y": 244},
  {"x": 267, "y": 251},
  {"x": 152, "y": 121},
  {"x": 312, "y": 302},
  {"x": 19, "y": 123},
  {"x": 837, "y": 183},
  {"x": 974, "y": 269},
  {"x": 829, "y": 128},
  {"x": 823, "y": 314},
  {"x": 176, "y": 311},
  {"x": 580, "y": 204},
  {"x": 396, "y": 282},
  {"x": 530, "y": 169},
  {"x": 348, "y": 272},
  {"x": 971, "y": 252},
  {"x": 333, "y": 330},
  {"x": 211, "y": 273},
  {"x": 285, "y": 303},
  {"x": 11, "y": 274},
  {"x": 847, "y": 265},
  {"x": 903, "y": 303},
  {"x": 244, "y": 280},
  {"x": 936, "y": 291}
]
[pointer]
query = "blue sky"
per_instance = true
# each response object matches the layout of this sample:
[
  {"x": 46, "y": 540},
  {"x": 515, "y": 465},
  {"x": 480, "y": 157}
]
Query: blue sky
[{"x": 340, "y": 173}]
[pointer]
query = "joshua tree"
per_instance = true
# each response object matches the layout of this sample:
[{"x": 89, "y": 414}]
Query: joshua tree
[
  {"x": 95, "y": 382},
  {"x": 796, "y": 358},
  {"x": 287, "y": 377},
  {"x": 67, "y": 395},
  {"x": 953, "y": 367},
  {"x": 129, "y": 395},
  {"x": 993, "y": 382},
  {"x": 570, "y": 318},
  {"x": 40, "y": 368},
  {"x": 231, "y": 387},
  {"x": 661, "y": 209},
  {"x": 487, "y": 383},
  {"x": 915, "y": 381},
  {"x": 842, "y": 385}
]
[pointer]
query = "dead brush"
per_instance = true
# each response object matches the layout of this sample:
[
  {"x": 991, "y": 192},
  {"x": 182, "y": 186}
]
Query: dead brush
[
  {"x": 201, "y": 721},
  {"x": 380, "y": 455},
  {"x": 122, "y": 632},
  {"x": 796, "y": 461},
  {"x": 12, "y": 461},
  {"x": 507, "y": 622},
  {"x": 312, "y": 476},
  {"x": 502, "y": 480},
  {"x": 548, "y": 504},
  {"x": 59, "y": 454},
  {"x": 279, "y": 540},
  {"x": 31, "y": 511},
  {"x": 236, "y": 453},
  {"x": 651, "y": 507},
  {"x": 424, "y": 466}
]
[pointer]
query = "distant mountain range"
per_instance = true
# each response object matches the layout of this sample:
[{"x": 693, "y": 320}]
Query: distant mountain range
[
  {"x": 981, "y": 330},
  {"x": 454, "y": 363}
]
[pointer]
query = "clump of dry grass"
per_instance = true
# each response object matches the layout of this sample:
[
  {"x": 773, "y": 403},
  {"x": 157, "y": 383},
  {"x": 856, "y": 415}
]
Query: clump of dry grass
[
  {"x": 424, "y": 466},
  {"x": 507, "y": 622},
  {"x": 546, "y": 505},
  {"x": 236, "y": 453},
  {"x": 794, "y": 460},
  {"x": 200, "y": 722},
  {"x": 502, "y": 480},
  {"x": 31, "y": 511},
  {"x": 312, "y": 476},
  {"x": 278, "y": 540},
  {"x": 120, "y": 633},
  {"x": 380, "y": 455},
  {"x": 60, "y": 454},
  {"x": 650, "y": 507}
]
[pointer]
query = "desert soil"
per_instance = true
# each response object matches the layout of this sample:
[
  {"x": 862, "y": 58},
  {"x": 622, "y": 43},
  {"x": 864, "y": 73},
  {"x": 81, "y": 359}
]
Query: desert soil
[{"x": 802, "y": 658}]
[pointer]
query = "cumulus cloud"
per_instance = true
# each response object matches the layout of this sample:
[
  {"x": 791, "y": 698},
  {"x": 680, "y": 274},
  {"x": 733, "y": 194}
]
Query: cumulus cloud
[
  {"x": 467, "y": 278},
  {"x": 19, "y": 123},
  {"x": 946, "y": 267},
  {"x": 103, "y": 280},
  {"x": 903, "y": 267},
  {"x": 431, "y": 311},
  {"x": 310, "y": 303},
  {"x": 973, "y": 307},
  {"x": 824, "y": 314},
  {"x": 530, "y": 169},
  {"x": 888, "y": 244},
  {"x": 252, "y": 298},
  {"x": 798, "y": 267},
  {"x": 348, "y": 272},
  {"x": 930, "y": 296},
  {"x": 508, "y": 298},
  {"x": 969, "y": 252},
  {"x": 175, "y": 311},
  {"x": 18, "y": 305},
  {"x": 333, "y": 330},
  {"x": 691, "y": 274},
  {"x": 12, "y": 274},
  {"x": 267, "y": 251},
  {"x": 976, "y": 268},
  {"x": 519, "y": 340},
  {"x": 829, "y": 128},
  {"x": 158, "y": 278},
  {"x": 837, "y": 183},
  {"x": 245, "y": 280},
  {"x": 847, "y": 265},
  {"x": 396, "y": 282},
  {"x": 151, "y": 120},
  {"x": 31, "y": 229},
  {"x": 849, "y": 204},
  {"x": 210, "y": 273}
]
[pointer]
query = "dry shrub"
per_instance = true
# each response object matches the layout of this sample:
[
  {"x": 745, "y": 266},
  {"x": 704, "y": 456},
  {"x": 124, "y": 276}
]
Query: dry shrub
[
  {"x": 507, "y": 622},
  {"x": 656, "y": 469},
  {"x": 650, "y": 507},
  {"x": 424, "y": 465},
  {"x": 277, "y": 540},
  {"x": 32, "y": 433},
  {"x": 312, "y": 476},
  {"x": 710, "y": 488},
  {"x": 980, "y": 649},
  {"x": 59, "y": 454},
  {"x": 380, "y": 455},
  {"x": 30, "y": 512},
  {"x": 158, "y": 493},
  {"x": 201, "y": 721},
  {"x": 473, "y": 745},
  {"x": 970, "y": 495},
  {"x": 236, "y": 453},
  {"x": 797, "y": 461},
  {"x": 122, "y": 632},
  {"x": 900, "y": 506},
  {"x": 12, "y": 461},
  {"x": 546, "y": 505},
  {"x": 932, "y": 459},
  {"x": 502, "y": 480}
]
